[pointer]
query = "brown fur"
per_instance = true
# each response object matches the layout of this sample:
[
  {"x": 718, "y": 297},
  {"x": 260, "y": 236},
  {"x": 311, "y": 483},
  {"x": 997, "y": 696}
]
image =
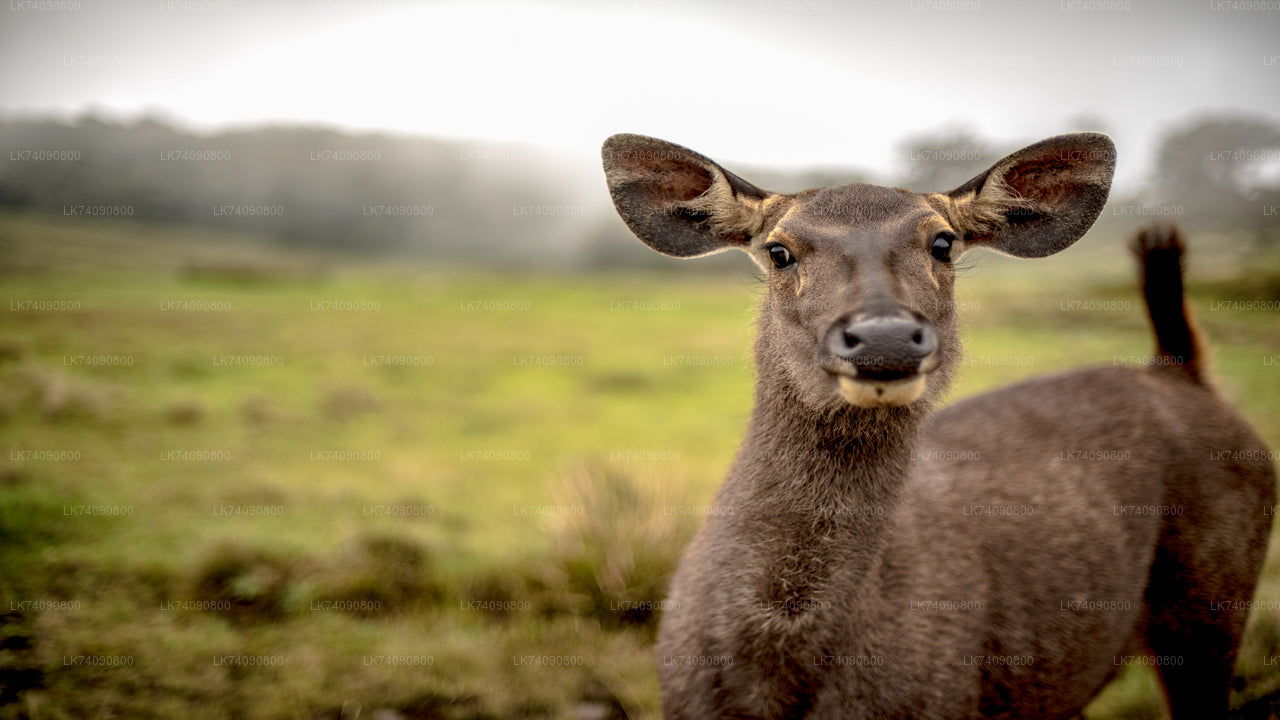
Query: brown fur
[
  {"x": 997, "y": 559},
  {"x": 726, "y": 214},
  {"x": 1179, "y": 346}
]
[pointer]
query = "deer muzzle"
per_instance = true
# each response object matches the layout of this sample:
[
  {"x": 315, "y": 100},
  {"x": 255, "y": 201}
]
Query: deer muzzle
[{"x": 881, "y": 360}]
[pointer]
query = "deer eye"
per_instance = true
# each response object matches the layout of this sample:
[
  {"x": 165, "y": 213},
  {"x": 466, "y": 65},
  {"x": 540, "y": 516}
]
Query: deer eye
[
  {"x": 780, "y": 256},
  {"x": 941, "y": 248}
]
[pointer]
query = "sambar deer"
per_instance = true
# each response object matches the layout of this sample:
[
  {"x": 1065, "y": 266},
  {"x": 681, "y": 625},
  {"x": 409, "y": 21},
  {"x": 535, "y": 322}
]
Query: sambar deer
[{"x": 1001, "y": 558}]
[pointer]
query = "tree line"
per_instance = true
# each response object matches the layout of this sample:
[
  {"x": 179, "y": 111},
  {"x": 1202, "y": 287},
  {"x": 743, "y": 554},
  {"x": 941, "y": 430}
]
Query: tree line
[{"x": 383, "y": 194}]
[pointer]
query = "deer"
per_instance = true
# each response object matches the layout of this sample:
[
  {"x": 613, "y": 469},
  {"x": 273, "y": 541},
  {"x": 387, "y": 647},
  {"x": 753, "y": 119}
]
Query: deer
[{"x": 1000, "y": 557}]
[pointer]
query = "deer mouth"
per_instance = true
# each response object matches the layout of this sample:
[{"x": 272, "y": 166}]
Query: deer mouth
[
  {"x": 869, "y": 393},
  {"x": 879, "y": 387}
]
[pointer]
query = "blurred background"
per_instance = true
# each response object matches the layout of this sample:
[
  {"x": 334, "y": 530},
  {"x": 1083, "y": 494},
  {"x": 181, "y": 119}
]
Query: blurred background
[{"x": 331, "y": 386}]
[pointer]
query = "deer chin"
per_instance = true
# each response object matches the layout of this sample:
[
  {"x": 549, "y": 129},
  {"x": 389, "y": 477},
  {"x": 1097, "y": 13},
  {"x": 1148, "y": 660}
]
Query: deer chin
[{"x": 881, "y": 393}]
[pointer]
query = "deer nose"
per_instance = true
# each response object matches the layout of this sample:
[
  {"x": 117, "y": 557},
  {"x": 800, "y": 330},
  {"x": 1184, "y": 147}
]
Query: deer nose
[{"x": 883, "y": 348}]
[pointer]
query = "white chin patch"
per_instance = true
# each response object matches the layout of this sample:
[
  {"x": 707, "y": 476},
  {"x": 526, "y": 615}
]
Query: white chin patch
[{"x": 878, "y": 393}]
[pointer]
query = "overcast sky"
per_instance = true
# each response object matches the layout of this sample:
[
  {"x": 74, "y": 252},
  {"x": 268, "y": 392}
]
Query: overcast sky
[{"x": 775, "y": 82}]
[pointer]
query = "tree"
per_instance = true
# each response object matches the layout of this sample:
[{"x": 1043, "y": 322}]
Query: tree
[
  {"x": 945, "y": 159},
  {"x": 1222, "y": 169}
]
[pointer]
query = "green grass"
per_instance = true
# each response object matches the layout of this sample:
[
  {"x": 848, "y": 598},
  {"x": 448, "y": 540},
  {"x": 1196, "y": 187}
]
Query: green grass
[{"x": 548, "y": 423}]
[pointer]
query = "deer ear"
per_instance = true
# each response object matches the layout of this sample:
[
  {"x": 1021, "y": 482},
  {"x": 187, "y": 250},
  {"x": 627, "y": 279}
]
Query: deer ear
[
  {"x": 679, "y": 202},
  {"x": 1039, "y": 200}
]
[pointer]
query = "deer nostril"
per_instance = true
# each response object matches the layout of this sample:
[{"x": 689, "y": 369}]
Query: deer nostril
[
  {"x": 925, "y": 339},
  {"x": 850, "y": 339}
]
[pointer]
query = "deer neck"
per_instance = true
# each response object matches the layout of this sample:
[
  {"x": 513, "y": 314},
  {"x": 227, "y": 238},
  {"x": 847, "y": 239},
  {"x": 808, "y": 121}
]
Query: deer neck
[
  {"x": 819, "y": 489},
  {"x": 799, "y": 459}
]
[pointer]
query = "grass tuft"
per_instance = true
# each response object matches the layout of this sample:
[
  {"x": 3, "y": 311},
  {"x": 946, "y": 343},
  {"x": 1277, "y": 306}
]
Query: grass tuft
[
  {"x": 617, "y": 545},
  {"x": 348, "y": 403},
  {"x": 20, "y": 670},
  {"x": 252, "y": 582},
  {"x": 257, "y": 410},
  {"x": 384, "y": 573},
  {"x": 184, "y": 413},
  {"x": 58, "y": 397}
]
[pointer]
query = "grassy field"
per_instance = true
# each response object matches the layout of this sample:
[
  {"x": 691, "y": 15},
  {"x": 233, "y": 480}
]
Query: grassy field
[{"x": 248, "y": 484}]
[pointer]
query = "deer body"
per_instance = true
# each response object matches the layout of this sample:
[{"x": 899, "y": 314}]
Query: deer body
[
  {"x": 844, "y": 612},
  {"x": 1001, "y": 558}
]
